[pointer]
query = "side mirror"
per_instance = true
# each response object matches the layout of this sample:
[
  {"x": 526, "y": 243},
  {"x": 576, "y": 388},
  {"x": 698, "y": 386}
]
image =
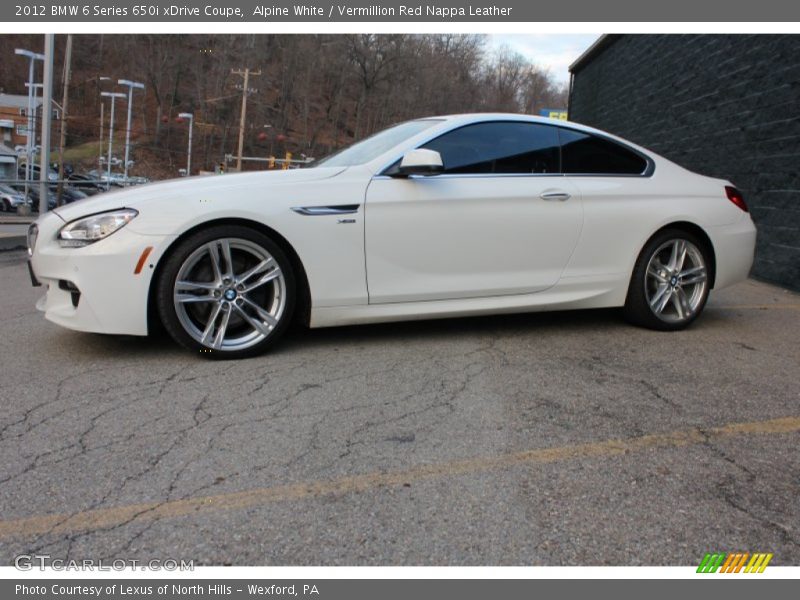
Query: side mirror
[{"x": 420, "y": 162}]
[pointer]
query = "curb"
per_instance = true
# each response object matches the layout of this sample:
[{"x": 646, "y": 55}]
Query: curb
[{"x": 16, "y": 220}]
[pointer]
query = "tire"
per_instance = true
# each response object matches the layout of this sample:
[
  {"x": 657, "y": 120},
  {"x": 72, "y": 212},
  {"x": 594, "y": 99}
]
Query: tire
[
  {"x": 6, "y": 206},
  {"x": 670, "y": 282},
  {"x": 237, "y": 309}
]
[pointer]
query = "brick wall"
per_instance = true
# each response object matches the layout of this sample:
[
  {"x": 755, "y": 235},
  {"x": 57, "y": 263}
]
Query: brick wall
[{"x": 722, "y": 105}]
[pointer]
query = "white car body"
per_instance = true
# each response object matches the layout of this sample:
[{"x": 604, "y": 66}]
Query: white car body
[{"x": 419, "y": 247}]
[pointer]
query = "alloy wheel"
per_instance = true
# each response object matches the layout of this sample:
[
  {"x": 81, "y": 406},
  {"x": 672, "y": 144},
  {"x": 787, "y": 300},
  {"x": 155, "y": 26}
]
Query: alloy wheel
[
  {"x": 676, "y": 280},
  {"x": 229, "y": 294}
]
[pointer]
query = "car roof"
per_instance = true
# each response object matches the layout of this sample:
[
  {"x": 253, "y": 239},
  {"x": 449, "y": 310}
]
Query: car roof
[{"x": 465, "y": 118}]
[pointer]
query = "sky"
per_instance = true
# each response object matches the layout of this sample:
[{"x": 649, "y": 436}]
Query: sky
[{"x": 552, "y": 51}]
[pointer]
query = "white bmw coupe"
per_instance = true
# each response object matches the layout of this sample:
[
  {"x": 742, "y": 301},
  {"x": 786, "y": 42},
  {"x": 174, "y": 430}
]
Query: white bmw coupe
[{"x": 437, "y": 217}]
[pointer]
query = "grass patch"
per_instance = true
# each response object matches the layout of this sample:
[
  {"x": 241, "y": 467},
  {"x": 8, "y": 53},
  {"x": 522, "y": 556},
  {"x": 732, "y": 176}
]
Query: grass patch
[{"x": 89, "y": 151}]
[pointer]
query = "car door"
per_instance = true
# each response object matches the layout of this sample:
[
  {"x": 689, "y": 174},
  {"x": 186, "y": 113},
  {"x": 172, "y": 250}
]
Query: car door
[
  {"x": 618, "y": 198},
  {"x": 499, "y": 220}
]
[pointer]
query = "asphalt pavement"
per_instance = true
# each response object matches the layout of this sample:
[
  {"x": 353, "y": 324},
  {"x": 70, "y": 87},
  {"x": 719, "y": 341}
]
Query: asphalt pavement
[{"x": 566, "y": 438}]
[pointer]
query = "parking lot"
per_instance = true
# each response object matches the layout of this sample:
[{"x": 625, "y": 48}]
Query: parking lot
[{"x": 557, "y": 439}]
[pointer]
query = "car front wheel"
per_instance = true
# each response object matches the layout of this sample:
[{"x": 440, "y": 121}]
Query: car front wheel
[
  {"x": 670, "y": 282},
  {"x": 226, "y": 292}
]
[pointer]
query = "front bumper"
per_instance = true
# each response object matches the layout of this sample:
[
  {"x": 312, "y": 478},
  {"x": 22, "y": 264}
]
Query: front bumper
[{"x": 94, "y": 288}]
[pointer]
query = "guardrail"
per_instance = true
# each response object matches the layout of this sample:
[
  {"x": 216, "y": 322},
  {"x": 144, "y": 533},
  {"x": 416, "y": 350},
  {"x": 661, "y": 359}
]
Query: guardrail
[{"x": 55, "y": 182}]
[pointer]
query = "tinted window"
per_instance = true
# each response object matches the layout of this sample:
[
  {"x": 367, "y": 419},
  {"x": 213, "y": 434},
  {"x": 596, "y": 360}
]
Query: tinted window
[
  {"x": 584, "y": 153},
  {"x": 503, "y": 147}
]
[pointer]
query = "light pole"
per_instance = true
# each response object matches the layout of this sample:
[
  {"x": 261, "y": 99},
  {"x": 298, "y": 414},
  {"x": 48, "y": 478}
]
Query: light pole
[
  {"x": 30, "y": 139},
  {"x": 47, "y": 121},
  {"x": 113, "y": 96},
  {"x": 131, "y": 85},
  {"x": 190, "y": 116},
  {"x": 102, "y": 120}
]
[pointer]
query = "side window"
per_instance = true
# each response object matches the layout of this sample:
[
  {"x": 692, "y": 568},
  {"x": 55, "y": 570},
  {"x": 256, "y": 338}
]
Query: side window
[
  {"x": 585, "y": 153},
  {"x": 499, "y": 147}
]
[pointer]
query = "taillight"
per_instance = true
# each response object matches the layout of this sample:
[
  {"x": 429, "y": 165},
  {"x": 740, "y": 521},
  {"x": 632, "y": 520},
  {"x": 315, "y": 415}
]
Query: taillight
[{"x": 736, "y": 197}]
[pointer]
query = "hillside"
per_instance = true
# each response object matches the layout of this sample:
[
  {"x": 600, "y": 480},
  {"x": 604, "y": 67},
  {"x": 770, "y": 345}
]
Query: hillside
[{"x": 308, "y": 94}]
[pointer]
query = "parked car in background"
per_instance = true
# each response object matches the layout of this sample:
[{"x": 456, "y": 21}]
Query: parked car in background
[
  {"x": 115, "y": 179},
  {"x": 10, "y": 199},
  {"x": 34, "y": 173},
  {"x": 33, "y": 196},
  {"x": 86, "y": 183},
  {"x": 71, "y": 194}
]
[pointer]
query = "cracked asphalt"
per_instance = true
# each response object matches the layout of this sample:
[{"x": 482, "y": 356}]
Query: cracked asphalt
[{"x": 559, "y": 439}]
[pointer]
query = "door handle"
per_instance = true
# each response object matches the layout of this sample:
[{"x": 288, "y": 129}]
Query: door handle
[{"x": 555, "y": 196}]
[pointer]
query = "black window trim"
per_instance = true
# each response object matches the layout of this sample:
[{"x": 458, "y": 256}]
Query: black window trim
[{"x": 648, "y": 171}]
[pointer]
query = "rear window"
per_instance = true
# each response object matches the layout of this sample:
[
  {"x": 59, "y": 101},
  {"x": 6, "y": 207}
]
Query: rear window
[{"x": 584, "y": 153}]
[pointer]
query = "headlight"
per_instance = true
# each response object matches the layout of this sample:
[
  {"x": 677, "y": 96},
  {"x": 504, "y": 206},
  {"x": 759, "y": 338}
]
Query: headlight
[{"x": 90, "y": 229}]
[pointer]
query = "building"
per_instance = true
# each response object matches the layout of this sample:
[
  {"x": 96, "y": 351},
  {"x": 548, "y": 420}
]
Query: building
[
  {"x": 14, "y": 118},
  {"x": 8, "y": 163},
  {"x": 723, "y": 105}
]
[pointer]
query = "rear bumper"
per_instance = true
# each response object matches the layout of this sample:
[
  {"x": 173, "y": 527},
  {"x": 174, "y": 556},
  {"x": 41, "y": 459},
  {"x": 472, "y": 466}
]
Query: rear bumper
[
  {"x": 734, "y": 249},
  {"x": 95, "y": 288}
]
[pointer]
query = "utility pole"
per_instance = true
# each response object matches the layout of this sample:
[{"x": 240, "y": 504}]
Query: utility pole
[
  {"x": 246, "y": 74},
  {"x": 64, "y": 102},
  {"x": 47, "y": 117}
]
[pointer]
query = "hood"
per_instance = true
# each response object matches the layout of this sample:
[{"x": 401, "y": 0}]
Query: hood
[{"x": 163, "y": 192}]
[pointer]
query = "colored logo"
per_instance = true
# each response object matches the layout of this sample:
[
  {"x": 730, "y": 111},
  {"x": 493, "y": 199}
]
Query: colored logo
[
  {"x": 734, "y": 562},
  {"x": 554, "y": 113}
]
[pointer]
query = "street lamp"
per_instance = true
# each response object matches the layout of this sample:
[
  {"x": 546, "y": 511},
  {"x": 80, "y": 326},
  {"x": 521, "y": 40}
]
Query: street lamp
[
  {"x": 102, "y": 117},
  {"x": 131, "y": 85},
  {"x": 32, "y": 119},
  {"x": 30, "y": 139},
  {"x": 190, "y": 116},
  {"x": 113, "y": 96}
]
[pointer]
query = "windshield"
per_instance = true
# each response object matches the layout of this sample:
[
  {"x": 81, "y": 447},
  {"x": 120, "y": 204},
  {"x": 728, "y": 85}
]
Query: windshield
[
  {"x": 7, "y": 189},
  {"x": 375, "y": 145}
]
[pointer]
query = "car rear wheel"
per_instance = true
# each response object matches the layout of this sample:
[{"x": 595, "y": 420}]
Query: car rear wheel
[
  {"x": 226, "y": 292},
  {"x": 670, "y": 283},
  {"x": 6, "y": 206}
]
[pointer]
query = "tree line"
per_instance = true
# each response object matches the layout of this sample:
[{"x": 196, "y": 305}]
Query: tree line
[{"x": 312, "y": 94}]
